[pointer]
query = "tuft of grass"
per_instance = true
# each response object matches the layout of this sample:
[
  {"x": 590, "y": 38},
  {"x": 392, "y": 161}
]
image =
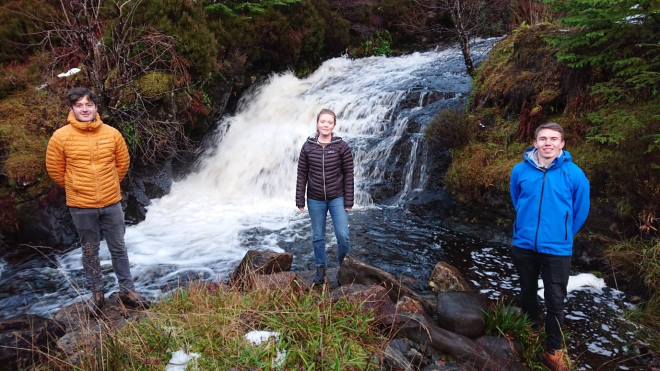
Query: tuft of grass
[
  {"x": 315, "y": 332},
  {"x": 504, "y": 320}
]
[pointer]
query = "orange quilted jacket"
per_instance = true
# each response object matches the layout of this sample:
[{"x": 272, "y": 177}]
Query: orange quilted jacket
[{"x": 88, "y": 159}]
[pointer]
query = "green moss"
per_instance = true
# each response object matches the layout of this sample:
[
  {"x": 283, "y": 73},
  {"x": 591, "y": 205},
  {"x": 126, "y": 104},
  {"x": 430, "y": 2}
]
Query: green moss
[{"x": 154, "y": 84}]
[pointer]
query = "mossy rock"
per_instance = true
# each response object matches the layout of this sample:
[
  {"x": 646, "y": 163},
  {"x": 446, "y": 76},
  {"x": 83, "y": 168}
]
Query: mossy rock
[{"x": 154, "y": 84}]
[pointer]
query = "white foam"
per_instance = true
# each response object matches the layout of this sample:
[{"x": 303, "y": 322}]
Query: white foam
[{"x": 583, "y": 281}]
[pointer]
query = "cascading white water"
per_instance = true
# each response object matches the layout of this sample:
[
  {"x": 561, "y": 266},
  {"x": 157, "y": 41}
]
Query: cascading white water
[{"x": 242, "y": 196}]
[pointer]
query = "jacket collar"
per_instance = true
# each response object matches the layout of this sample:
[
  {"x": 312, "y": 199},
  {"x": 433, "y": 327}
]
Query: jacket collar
[
  {"x": 315, "y": 139},
  {"x": 531, "y": 157},
  {"x": 91, "y": 126}
]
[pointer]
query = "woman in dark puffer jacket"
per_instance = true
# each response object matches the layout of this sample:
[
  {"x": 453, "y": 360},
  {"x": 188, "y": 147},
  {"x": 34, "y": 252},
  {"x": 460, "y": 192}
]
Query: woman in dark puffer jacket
[{"x": 326, "y": 170}]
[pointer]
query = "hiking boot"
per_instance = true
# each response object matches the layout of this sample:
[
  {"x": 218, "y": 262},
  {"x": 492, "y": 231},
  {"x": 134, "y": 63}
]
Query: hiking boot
[
  {"x": 556, "y": 361},
  {"x": 134, "y": 299},
  {"x": 319, "y": 277},
  {"x": 96, "y": 303}
]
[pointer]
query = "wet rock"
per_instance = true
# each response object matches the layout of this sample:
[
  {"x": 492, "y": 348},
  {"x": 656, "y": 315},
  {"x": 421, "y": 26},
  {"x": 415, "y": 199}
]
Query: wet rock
[
  {"x": 84, "y": 333},
  {"x": 500, "y": 347},
  {"x": 462, "y": 312},
  {"x": 275, "y": 281},
  {"x": 354, "y": 271},
  {"x": 421, "y": 328},
  {"x": 395, "y": 358},
  {"x": 446, "y": 277},
  {"x": 144, "y": 184},
  {"x": 259, "y": 262},
  {"x": 46, "y": 224},
  {"x": 445, "y": 366},
  {"x": 371, "y": 297},
  {"x": 25, "y": 338}
]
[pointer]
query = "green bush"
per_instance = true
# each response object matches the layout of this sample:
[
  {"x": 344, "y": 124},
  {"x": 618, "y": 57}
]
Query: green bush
[
  {"x": 185, "y": 20},
  {"x": 452, "y": 128}
]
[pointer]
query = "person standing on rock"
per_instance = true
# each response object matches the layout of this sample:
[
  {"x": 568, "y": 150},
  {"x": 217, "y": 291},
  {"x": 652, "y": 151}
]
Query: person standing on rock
[
  {"x": 325, "y": 169},
  {"x": 551, "y": 197},
  {"x": 88, "y": 159}
]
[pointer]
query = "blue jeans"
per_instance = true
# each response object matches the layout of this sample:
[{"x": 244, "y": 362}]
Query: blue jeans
[
  {"x": 318, "y": 211},
  {"x": 554, "y": 272},
  {"x": 90, "y": 223}
]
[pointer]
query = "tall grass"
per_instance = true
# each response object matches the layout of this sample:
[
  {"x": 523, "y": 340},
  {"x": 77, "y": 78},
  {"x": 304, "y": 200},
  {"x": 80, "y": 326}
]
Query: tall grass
[
  {"x": 211, "y": 320},
  {"x": 502, "y": 319},
  {"x": 640, "y": 257}
]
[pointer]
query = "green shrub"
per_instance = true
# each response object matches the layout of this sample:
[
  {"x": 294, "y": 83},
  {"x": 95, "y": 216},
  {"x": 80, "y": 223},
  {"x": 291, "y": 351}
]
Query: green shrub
[
  {"x": 452, "y": 128},
  {"x": 479, "y": 170},
  {"x": 185, "y": 20},
  {"x": 378, "y": 44}
]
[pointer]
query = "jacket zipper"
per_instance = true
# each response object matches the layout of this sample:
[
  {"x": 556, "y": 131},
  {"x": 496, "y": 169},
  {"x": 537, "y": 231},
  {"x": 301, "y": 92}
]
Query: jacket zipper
[
  {"x": 325, "y": 196},
  {"x": 538, "y": 224},
  {"x": 91, "y": 153},
  {"x": 566, "y": 227}
]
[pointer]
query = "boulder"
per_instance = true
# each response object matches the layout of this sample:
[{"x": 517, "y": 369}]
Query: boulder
[
  {"x": 500, "y": 347},
  {"x": 419, "y": 327},
  {"x": 446, "y": 277},
  {"x": 462, "y": 312},
  {"x": 373, "y": 298},
  {"x": 46, "y": 222},
  {"x": 354, "y": 271},
  {"x": 275, "y": 281},
  {"x": 395, "y": 358},
  {"x": 259, "y": 262},
  {"x": 84, "y": 332},
  {"x": 25, "y": 338},
  {"x": 145, "y": 183}
]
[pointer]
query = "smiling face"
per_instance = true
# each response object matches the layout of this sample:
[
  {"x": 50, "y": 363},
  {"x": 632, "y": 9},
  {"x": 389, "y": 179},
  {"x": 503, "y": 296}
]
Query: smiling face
[
  {"x": 84, "y": 109},
  {"x": 325, "y": 124},
  {"x": 548, "y": 142}
]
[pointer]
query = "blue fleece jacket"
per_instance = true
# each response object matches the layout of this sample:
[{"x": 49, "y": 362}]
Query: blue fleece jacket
[{"x": 551, "y": 204}]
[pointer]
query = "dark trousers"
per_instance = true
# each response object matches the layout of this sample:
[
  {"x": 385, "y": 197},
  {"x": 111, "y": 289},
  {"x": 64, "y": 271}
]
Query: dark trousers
[
  {"x": 554, "y": 272},
  {"x": 90, "y": 223}
]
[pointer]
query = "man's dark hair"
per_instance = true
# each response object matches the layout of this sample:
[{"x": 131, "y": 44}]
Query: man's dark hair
[
  {"x": 76, "y": 93},
  {"x": 552, "y": 126}
]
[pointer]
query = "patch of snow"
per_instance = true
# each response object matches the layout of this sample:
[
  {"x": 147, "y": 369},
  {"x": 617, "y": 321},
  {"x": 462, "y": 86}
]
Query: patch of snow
[
  {"x": 180, "y": 360},
  {"x": 258, "y": 337},
  {"x": 70, "y": 72}
]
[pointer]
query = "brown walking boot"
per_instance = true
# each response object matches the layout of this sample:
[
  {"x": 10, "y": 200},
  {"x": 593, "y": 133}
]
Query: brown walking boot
[
  {"x": 134, "y": 299},
  {"x": 556, "y": 361}
]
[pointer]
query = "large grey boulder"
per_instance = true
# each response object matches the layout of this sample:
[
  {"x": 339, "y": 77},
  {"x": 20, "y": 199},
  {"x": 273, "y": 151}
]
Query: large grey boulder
[{"x": 462, "y": 312}]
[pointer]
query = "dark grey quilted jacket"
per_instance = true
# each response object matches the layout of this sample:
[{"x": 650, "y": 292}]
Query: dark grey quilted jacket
[{"x": 327, "y": 172}]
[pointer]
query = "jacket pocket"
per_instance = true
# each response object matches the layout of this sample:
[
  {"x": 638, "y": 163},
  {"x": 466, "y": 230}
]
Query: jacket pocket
[{"x": 566, "y": 227}]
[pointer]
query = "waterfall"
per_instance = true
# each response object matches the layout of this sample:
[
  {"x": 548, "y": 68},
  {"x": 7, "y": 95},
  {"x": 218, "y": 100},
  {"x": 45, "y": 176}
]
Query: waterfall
[{"x": 242, "y": 195}]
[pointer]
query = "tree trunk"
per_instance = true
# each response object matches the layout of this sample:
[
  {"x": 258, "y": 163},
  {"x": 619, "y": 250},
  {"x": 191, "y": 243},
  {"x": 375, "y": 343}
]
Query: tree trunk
[{"x": 464, "y": 41}]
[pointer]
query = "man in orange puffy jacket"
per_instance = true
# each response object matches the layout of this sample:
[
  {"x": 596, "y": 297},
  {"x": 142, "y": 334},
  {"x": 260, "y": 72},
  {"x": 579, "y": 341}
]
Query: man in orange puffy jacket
[{"x": 89, "y": 159}]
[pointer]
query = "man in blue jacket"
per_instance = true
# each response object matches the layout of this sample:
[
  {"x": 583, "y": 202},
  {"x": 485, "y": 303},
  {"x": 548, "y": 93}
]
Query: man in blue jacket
[{"x": 551, "y": 197}]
